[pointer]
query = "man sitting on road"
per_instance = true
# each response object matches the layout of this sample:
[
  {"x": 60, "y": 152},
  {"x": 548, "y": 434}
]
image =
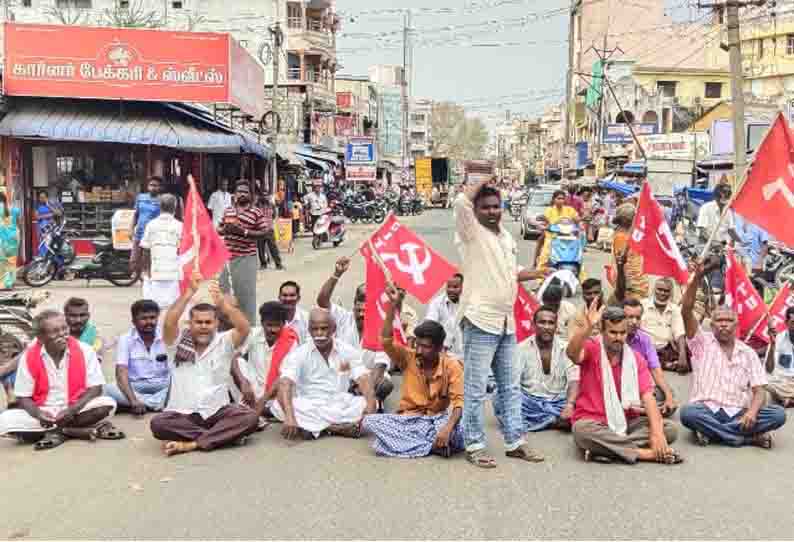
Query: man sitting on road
[
  {"x": 78, "y": 318},
  {"x": 199, "y": 415},
  {"x": 289, "y": 294},
  {"x": 443, "y": 309},
  {"x": 313, "y": 396},
  {"x": 549, "y": 380},
  {"x": 350, "y": 330},
  {"x": 727, "y": 392},
  {"x": 780, "y": 363},
  {"x": 267, "y": 346},
  {"x": 142, "y": 376},
  {"x": 591, "y": 291},
  {"x": 553, "y": 297},
  {"x": 432, "y": 383},
  {"x": 614, "y": 385},
  {"x": 641, "y": 343},
  {"x": 59, "y": 390},
  {"x": 661, "y": 319}
]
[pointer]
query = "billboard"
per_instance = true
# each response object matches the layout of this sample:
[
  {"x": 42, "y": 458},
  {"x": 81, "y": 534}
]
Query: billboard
[
  {"x": 361, "y": 173},
  {"x": 360, "y": 150},
  {"x": 390, "y": 130},
  {"x": 620, "y": 134},
  {"x": 680, "y": 146},
  {"x": 344, "y": 126},
  {"x": 131, "y": 64}
]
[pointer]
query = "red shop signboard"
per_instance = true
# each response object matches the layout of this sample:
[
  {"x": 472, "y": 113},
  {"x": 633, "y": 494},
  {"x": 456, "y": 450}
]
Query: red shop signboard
[{"x": 131, "y": 64}]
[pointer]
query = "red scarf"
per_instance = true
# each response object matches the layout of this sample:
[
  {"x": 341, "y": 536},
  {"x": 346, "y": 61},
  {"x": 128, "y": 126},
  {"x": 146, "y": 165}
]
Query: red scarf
[
  {"x": 76, "y": 380},
  {"x": 286, "y": 340}
]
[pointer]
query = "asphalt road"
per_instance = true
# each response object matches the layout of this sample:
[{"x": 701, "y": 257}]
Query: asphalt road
[{"x": 336, "y": 488}]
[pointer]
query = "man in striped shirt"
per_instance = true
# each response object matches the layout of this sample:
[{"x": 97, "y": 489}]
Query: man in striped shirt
[
  {"x": 242, "y": 226},
  {"x": 728, "y": 388}
]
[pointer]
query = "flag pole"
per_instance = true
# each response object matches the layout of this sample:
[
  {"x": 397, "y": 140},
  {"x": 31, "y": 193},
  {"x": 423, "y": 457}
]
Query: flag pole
[{"x": 194, "y": 223}]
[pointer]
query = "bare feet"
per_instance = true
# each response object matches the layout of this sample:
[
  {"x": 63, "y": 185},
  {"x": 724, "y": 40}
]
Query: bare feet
[
  {"x": 763, "y": 440},
  {"x": 173, "y": 447}
]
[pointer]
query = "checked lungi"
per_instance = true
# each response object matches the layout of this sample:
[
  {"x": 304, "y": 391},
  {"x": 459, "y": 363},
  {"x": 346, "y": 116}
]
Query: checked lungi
[{"x": 409, "y": 436}]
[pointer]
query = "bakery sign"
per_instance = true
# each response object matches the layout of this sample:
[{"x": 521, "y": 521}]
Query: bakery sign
[{"x": 131, "y": 64}]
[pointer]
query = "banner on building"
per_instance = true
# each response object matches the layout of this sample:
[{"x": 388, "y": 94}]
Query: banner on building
[
  {"x": 682, "y": 146},
  {"x": 131, "y": 64},
  {"x": 619, "y": 134},
  {"x": 344, "y": 126},
  {"x": 361, "y": 173},
  {"x": 390, "y": 128},
  {"x": 344, "y": 100}
]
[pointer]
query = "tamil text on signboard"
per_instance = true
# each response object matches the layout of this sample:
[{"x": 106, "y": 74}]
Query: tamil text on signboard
[
  {"x": 131, "y": 64},
  {"x": 681, "y": 146},
  {"x": 360, "y": 150},
  {"x": 361, "y": 173},
  {"x": 620, "y": 134}
]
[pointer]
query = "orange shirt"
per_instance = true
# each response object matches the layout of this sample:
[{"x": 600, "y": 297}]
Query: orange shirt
[
  {"x": 636, "y": 280},
  {"x": 420, "y": 396}
]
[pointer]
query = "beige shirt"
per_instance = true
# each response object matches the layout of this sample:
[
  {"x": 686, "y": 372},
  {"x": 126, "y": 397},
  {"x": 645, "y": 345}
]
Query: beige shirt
[
  {"x": 491, "y": 260},
  {"x": 664, "y": 327},
  {"x": 564, "y": 316}
]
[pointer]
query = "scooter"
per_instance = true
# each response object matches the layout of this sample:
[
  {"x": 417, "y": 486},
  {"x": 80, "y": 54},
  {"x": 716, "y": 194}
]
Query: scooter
[
  {"x": 567, "y": 247},
  {"x": 107, "y": 264},
  {"x": 328, "y": 229}
]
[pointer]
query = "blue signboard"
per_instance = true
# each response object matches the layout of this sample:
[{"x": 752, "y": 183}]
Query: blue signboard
[
  {"x": 621, "y": 135},
  {"x": 360, "y": 150},
  {"x": 581, "y": 155}
]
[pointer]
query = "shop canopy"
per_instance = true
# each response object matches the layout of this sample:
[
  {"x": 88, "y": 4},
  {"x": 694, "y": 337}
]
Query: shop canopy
[
  {"x": 621, "y": 188},
  {"x": 135, "y": 123},
  {"x": 308, "y": 151}
]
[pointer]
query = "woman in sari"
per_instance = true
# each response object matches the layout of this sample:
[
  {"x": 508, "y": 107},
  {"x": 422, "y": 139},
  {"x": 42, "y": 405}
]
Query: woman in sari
[
  {"x": 636, "y": 280},
  {"x": 9, "y": 243},
  {"x": 552, "y": 215}
]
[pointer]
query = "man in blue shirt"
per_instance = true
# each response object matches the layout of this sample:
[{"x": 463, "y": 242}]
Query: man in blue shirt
[
  {"x": 45, "y": 212},
  {"x": 753, "y": 248},
  {"x": 147, "y": 208}
]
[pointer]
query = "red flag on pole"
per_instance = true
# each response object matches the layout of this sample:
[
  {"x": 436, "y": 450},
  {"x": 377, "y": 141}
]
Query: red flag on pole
[
  {"x": 768, "y": 193},
  {"x": 375, "y": 306},
  {"x": 777, "y": 313},
  {"x": 742, "y": 297},
  {"x": 653, "y": 240},
  {"x": 201, "y": 247},
  {"x": 412, "y": 264},
  {"x": 524, "y": 312}
]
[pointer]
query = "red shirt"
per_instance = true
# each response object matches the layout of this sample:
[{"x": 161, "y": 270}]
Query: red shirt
[
  {"x": 250, "y": 219},
  {"x": 577, "y": 203},
  {"x": 590, "y": 402}
]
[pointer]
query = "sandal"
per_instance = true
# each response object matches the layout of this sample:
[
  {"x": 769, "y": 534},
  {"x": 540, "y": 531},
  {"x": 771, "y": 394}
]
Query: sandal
[
  {"x": 526, "y": 453},
  {"x": 80, "y": 433},
  {"x": 673, "y": 458},
  {"x": 702, "y": 439},
  {"x": 51, "y": 439},
  {"x": 589, "y": 456},
  {"x": 763, "y": 440},
  {"x": 348, "y": 430},
  {"x": 481, "y": 458},
  {"x": 106, "y": 431}
]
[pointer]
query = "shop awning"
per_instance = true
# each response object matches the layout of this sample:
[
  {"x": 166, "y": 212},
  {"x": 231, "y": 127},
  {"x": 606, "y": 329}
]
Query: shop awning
[
  {"x": 308, "y": 152},
  {"x": 314, "y": 162},
  {"x": 137, "y": 123}
]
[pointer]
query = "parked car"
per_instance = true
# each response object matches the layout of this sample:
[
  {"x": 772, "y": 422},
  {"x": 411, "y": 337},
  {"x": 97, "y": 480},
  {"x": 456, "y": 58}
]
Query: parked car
[{"x": 538, "y": 201}]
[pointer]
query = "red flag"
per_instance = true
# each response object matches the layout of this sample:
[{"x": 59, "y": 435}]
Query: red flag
[
  {"x": 768, "y": 193},
  {"x": 212, "y": 252},
  {"x": 742, "y": 297},
  {"x": 653, "y": 240},
  {"x": 524, "y": 311},
  {"x": 375, "y": 306},
  {"x": 777, "y": 313},
  {"x": 413, "y": 265}
]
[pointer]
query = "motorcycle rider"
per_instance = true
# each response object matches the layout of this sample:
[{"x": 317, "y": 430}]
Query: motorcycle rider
[{"x": 316, "y": 202}]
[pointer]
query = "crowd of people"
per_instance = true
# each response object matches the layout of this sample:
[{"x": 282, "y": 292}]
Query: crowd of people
[{"x": 214, "y": 373}]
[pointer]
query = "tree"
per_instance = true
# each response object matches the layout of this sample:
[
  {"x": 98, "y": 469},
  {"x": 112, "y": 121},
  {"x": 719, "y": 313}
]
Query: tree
[{"x": 455, "y": 135}]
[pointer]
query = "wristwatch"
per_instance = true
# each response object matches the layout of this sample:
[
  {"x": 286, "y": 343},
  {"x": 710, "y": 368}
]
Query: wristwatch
[{"x": 245, "y": 232}]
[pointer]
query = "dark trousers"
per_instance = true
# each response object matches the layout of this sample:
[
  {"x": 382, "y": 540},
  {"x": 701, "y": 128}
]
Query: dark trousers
[
  {"x": 229, "y": 424},
  {"x": 268, "y": 244},
  {"x": 720, "y": 427}
]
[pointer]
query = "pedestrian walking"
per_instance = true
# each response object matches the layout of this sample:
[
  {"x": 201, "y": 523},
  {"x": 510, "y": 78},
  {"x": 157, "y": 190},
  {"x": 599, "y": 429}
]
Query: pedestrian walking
[
  {"x": 316, "y": 202},
  {"x": 267, "y": 243},
  {"x": 219, "y": 201},
  {"x": 160, "y": 244},
  {"x": 147, "y": 208},
  {"x": 242, "y": 226}
]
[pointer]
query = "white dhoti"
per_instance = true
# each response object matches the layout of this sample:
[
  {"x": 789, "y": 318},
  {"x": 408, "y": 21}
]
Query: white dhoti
[
  {"x": 17, "y": 420},
  {"x": 163, "y": 292},
  {"x": 316, "y": 414}
]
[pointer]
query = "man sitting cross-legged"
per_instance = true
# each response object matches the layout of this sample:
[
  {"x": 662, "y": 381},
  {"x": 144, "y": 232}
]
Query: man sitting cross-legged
[
  {"x": 313, "y": 392},
  {"x": 780, "y": 363},
  {"x": 614, "y": 384},
  {"x": 59, "y": 390},
  {"x": 198, "y": 415},
  {"x": 142, "y": 376},
  {"x": 549, "y": 379},
  {"x": 256, "y": 375},
  {"x": 727, "y": 392},
  {"x": 432, "y": 384}
]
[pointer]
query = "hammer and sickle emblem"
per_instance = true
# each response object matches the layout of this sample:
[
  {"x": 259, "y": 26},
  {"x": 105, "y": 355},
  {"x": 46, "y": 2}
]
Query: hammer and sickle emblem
[
  {"x": 414, "y": 267},
  {"x": 771, "y": 189},
  {"x": 664, "y": 236}
]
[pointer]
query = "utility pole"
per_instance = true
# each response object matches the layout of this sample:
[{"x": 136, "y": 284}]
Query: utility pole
[
  {"x": 278, "y": 37},
  {"x": 569, "y": 99},
  {"x": 731, "y": 8},
  {"x": 405, "y": 97}
]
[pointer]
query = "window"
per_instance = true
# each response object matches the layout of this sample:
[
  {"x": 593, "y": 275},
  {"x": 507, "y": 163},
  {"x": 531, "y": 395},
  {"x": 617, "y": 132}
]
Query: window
[
  {"x": 666, "y": 88},
  {"x": 176, "y": 5},
  {"x": 27, "y": 3},
  {"x": 79, "y": 4},
  {"x": 124, "y": 4},
  {"x": 790, "y": 44},
  {"x": 761, "y": 48},
  {"x": 713, "y": 90}
]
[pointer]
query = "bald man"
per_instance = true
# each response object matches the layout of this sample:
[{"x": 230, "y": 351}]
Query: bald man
[{"x": 313, "y": 396}]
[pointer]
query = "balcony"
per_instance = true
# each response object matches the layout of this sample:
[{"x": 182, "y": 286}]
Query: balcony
[{"x": 309, "y": 31}]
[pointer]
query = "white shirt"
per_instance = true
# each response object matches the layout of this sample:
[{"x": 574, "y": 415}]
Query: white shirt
[
  {"x": 490, "y": 259},
  {"x": 444, "y": 311},
  {"x": 260, "y": 355},
  {"x": 219, "y": 201},
  {"x": 534, "y": 381},
  {"x": 784, "y": 357},
  {"x": 709, "y": 217},
  {"x": 57, "y": 377},
  {"x": 347, "y": 332},
  {"x": 300, "y": 324},
  {"x": 564, "y": 315},
  {"x": 317, "y": 202},
  {"x": 162, "y": 237},
  {"x": 315, "y": 378},
  {"x": 202, "y": 387}
]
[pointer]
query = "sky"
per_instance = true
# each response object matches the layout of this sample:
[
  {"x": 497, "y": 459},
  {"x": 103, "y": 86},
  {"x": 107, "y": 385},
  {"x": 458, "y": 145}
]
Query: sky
[{"x": 489, "y": 79}]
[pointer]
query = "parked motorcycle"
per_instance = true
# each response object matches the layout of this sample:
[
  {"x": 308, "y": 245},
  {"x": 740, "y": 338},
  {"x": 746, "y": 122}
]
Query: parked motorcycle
[
  {"x": 516, "y": 206},
  {"x": 16, "y": 317},
  {"x": 328, "y": 229},
  {"x": 779, "y": 264},
  {"x": 417, "y": 205}
]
